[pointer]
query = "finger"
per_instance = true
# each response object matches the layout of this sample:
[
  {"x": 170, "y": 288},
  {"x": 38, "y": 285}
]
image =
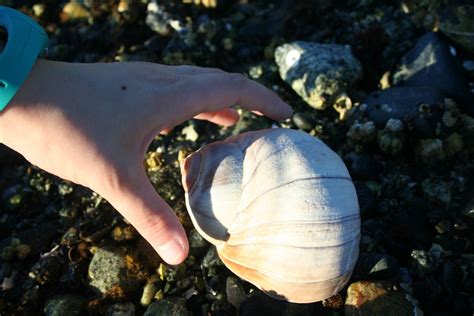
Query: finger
[
  {"x": 138, "y": 202},
  {"x": 165, "y": 131},
  {"x": 226, "y": 117},
  {"x": 196, "y": 70},
  {"x": 213, "y": 92}
]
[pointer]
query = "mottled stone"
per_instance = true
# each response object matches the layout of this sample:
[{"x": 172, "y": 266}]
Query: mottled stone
[
  {"x": 319, "y": 73},
  {"x": 110, "y": 275},
  {"x": 65, "y": 305},
  {"x": 376, "y": 298},
  {"x": 121, "y": 309},
  {"x": 165, "y": 307}
]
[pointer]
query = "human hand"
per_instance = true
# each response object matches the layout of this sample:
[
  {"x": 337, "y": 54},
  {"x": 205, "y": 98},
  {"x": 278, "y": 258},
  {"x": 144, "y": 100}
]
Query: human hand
[{"x": 92, "y": 123}]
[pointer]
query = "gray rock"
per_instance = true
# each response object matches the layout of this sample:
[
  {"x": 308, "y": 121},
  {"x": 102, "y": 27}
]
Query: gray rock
[
  {"x": 121, "y": 309},
  {"x": 109, "y": 275},
  {"x": 65, "y": 305},
  {"x": 422, "y": 263},
  {"x": 235, "y": 292},
  {"x": 165, "y": 307},
  {"x": 318, "y": 72},
  {"x": 430, "y": 63},
  {"x": 303, "y": 121}
]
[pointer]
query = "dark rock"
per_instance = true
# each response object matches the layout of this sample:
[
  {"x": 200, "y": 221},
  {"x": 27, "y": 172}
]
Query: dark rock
[
  {"x": 361, "y": 166},
  {"x": 430, "y": 63},
  {"x": 259, "y": 303},
  {"x": 376, "y": 266},
  {"x": 303, "y": 121},
  {"x": 452, "y": 276},
  {"x": 222, "y": 308},
  {"x": 9, "y": 157},
  {"x": 420, "y": 109},
  {"x": 165, "y": 307},
  {"x": 422, "y": 263},
  {"x": 121, "y": 309},
  {"x": 197, "y": 244},
  {"x": 65, "y": 305},
  {"x": 235, "y": 292},
  {"x": 367, "y": 200}
]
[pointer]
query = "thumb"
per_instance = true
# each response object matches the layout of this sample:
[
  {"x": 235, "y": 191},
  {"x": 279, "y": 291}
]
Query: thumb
[{"x": 138, "y": 202}]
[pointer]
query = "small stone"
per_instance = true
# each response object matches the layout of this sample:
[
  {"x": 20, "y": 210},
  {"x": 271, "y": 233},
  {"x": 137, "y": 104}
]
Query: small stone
[
  {"x": 334, "y": 302},
  {"x": 110, "y": 275},
  {"x": 38, "y": 9},
  {"x": 376, "y": 298},
  {"x": 190, "y": 133},
  {"x": 65, "y": 305},
  {"x": 319, "y": 73},
  {"x": 165, "y": 307},
  {"x": 303, "y": 121},
  {"x": 468, "y": 210},
  {"x": 74, "y": 10},
  {"x": 158, "y": 19},
  {"x": 149, "y": 291},
  {"x": 197, "y": 244},
  {"x": 121, "y": 309},
  {"x": 222, "y": 307},
  {"x": 235, "y": 292}
]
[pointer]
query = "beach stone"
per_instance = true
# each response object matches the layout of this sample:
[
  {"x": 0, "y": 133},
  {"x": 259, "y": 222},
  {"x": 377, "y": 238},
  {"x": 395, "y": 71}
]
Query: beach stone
[
  {"x": 165, "y": 307},
  {"x": 65, "y": 305},
  {"x": 109, "y": 274},
  {"x": 318, "y": 73},
  {"x": 121, "y": 309},
  {"x": 430, "y": 63},
  {"x": 376, "y": 298},
  {"x": 158, "y": 19},
  {"x": 303, "y": 121},
  {"x": 75, "y": 10},
  {"x": 235, "y": 292}
]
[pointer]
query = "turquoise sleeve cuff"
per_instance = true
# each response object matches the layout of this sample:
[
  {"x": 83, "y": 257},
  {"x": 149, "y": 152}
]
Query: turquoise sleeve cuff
[{"x": 26, "y": 41}]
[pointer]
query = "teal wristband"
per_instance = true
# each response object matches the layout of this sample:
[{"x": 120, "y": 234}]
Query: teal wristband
[{"x": 26, "y": 41}]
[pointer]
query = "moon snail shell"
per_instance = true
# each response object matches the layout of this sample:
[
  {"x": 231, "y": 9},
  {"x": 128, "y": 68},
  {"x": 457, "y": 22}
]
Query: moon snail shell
[{"x": 280, "y": 207}]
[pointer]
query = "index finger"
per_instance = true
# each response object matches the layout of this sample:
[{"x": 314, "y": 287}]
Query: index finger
[{"x": 216, "y": 91}]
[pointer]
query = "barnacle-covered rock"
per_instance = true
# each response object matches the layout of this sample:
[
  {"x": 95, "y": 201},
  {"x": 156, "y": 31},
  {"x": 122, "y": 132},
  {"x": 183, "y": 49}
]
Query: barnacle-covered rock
[
  {"x": 319, "y": 73},
  {"x": 431, "y": 64},
  {"x": 432, "y": 150},
  {"x": 422, "y": 110},
  {"x": 362, "y": 132}
]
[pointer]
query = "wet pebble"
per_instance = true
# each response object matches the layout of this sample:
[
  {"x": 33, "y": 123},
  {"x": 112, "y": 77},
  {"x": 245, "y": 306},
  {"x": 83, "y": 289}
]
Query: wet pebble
[
  {"x": 361, "y": 165},
  {"x": 158, "y": 19},
  {"x": 422, "y": 263},
  {"x": 304, "y": 121},
  {"x": 165, "y": 307},
  {"x": 75, "y": 10},
  {"x": 65, "y": 305},
  {"x": 318, "y": 73},
  {"x": 235, "y": 292}
]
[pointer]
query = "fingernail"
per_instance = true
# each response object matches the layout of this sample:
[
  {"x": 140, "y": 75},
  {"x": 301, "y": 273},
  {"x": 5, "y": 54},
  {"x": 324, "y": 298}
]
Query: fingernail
[{"x": 171, "y": 251}]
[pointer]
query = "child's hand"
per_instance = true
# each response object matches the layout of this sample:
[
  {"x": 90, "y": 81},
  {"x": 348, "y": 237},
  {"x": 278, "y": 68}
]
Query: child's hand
[{"x": 92, "y": 123}]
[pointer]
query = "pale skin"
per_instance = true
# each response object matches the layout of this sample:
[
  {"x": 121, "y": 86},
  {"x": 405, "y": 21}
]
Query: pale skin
[{"x": 92, "y": 123}]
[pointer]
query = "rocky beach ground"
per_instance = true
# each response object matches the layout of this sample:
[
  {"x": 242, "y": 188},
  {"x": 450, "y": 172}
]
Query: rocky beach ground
[{"x": 386, "y": 84}]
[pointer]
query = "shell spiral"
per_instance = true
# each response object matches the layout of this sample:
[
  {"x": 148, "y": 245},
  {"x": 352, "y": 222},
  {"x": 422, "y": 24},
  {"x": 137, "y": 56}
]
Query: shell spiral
[{"x": 281, "y": 209}]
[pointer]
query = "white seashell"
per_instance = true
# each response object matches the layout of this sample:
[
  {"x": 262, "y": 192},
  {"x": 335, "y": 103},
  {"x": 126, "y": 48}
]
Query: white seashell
[{"x": 281, "y": 209}]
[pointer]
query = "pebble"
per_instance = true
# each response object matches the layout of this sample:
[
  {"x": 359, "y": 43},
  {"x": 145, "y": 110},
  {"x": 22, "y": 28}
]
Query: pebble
[
  {"x": 422, "y": 263},
  {"x": 376, "y": 298},
  {"x": 121, "y": 309},
  {"x": 165, "y": 307},
  {"x": 361, "y": 165},
  {"x": 158, "y": 19},
  {"x": 318, "y": 73},
  {"x": 109, "y": 274},
  {"x": 458, "y": 25},
  {"x": 235, "y": 292},
  {"x": 65, "y": 305},
  {"x": 74, "y": 10},
  {"x": 197, "y": 244},
  {"x": 376, "y": 266},
  {"x": 430, "y": 63},
  {"x": 304, "y": 121}
]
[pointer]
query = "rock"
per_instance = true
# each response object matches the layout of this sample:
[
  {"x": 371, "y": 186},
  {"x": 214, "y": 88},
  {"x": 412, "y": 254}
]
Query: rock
[
  {"x": 422, "y": 263},
  {"x": 367, "y": 200},
  {"x": 9, "y": 157},
  {"x": 158, "y": 19},
  {"x": 222, "y": 308},
  {"x": 361, "y": 165},
  {"x": 376, "y": 266},
  {"x": 469, "y": 68},
  {"x": 259, "y": 303},
  {"x": 304, "y": 121},
  {"x": 420, "y": 109},
  {"x": 75, "y": 10},
  {"x": 457, "y": 24},
  {"x": 152, "y": 286},
  {"x": 376, "y": 298},
  {"x": 65, "y": 305},
  {"x": 430, "y": 63},
  {"x": 110, "y": 275},
  {"x": 29, "y": 243},
  {"x": 319, "y": 73},
  {"x": 197, "y": 244},
  {"x": 121, "y": 309},
  {"x": 165, "y": 307},
  {"x": 235, "y": 292}
]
